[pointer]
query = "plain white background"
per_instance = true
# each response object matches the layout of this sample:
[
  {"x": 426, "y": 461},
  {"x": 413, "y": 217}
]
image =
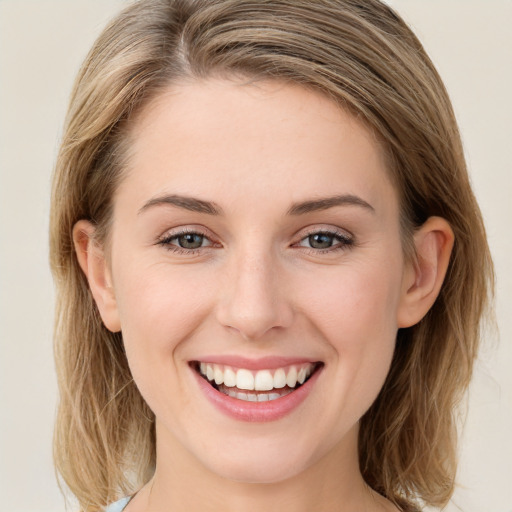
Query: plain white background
[{"x": 42, "y": 43}]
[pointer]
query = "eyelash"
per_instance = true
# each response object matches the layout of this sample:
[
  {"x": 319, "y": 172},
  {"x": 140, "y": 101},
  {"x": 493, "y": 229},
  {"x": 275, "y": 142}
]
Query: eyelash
[
  {"x": 166, "y": 241},
  {"x": 341, "y": 241}
]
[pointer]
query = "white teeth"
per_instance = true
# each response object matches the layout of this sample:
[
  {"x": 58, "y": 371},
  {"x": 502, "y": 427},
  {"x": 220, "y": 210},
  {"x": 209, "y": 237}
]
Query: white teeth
[
  {"x": 218, "y": 375},
  {"x": 279, "y": 379},
  {"x": 262, "y": 380},
  {"x": 229, "y": 378},
  {"x": 291, "y": 378},
  {"x": 253, "y": 397},
  {"x": 244, "y": 379}
]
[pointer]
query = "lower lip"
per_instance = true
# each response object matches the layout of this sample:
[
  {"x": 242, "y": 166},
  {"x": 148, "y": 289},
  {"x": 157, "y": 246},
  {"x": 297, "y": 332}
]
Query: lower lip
[{"x": 257, "y": 411}]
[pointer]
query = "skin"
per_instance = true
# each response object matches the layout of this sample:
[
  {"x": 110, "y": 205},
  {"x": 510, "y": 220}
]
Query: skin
[{"x": 257, "y": 287}]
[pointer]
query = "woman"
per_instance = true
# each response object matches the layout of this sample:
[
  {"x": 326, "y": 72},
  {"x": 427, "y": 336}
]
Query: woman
[{"x": 271, "y": 265}]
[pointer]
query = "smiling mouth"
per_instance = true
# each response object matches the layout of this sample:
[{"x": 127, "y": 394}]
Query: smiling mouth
[{"x": 256, "y": 386}]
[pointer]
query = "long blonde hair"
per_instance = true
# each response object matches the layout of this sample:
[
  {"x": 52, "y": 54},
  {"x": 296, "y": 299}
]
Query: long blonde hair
[{"x": 365, "y": 58}]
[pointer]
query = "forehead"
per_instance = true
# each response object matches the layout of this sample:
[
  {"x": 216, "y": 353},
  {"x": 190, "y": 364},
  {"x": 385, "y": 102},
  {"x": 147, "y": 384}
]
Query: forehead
[{"x": 252, "y": 139}]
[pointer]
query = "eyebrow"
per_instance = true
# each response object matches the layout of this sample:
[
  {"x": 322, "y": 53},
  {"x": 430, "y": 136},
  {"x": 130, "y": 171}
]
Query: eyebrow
[
  {"x": 329, "y": 202},
  {"x": 187, "y": 203},
  {"x": 209, "y": 207}
]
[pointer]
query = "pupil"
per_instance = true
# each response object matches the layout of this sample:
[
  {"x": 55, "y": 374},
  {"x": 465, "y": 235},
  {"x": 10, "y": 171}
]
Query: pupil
[
  {"x": 320, "y": 241},
  {"x": 190, "y": 241}
]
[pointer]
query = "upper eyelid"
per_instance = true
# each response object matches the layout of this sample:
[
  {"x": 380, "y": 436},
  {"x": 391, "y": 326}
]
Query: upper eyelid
[
  {"x": 332, "y": 230},
  {"x": 185, "y": 230}
]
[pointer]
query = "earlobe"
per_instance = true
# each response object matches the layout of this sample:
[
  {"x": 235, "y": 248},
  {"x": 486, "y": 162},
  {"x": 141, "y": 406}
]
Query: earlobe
[
  {"x": 92, "y": 261},
  {"x": 424, "y": 275}
]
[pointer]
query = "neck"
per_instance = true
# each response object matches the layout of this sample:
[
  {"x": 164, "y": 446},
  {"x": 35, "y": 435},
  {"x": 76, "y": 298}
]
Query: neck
[{"x": 181, "y": 483}]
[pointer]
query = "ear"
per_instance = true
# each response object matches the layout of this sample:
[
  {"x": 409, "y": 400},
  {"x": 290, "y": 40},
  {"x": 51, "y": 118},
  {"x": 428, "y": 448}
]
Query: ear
[
  {"x": 93, "y": 263},
  {"x": 424, "y": 274}
]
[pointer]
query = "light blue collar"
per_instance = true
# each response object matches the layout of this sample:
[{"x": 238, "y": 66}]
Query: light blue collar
[{"x": 119, "y": 505}]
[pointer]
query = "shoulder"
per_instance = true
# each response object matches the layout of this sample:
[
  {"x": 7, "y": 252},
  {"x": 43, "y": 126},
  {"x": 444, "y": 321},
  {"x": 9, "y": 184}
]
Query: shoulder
[{"x": 118, "y": 506}]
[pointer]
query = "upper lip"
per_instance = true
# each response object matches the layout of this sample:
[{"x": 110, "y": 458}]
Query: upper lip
[{"x": 261, "y": 363}]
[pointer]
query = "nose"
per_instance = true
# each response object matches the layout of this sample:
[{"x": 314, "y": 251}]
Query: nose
[{"x": 254, "y": 300}]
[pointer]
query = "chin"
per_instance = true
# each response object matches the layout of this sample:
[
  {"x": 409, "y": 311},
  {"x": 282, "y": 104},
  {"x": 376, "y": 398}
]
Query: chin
[{"x": 263, "y": 467}]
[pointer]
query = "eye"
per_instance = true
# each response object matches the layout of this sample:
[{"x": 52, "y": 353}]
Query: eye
[
  {"x": 185, "y": 241},
  {"x": 189, "y": 240},
  {"x": 326, "y": 241},
  {"x": 321, "y": 240}
]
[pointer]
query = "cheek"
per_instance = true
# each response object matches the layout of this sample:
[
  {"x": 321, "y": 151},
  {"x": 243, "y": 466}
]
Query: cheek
[
  {"x": 355, "y": 313},
  {"x": 160, "y": 308},
  {"x": 351, "y": 303},
  {"x": 159, "y": 298}
]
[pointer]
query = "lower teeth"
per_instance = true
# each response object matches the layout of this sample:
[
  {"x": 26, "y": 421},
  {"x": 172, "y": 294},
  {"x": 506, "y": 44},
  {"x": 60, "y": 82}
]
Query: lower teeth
[{"x": 254, "y": 397}]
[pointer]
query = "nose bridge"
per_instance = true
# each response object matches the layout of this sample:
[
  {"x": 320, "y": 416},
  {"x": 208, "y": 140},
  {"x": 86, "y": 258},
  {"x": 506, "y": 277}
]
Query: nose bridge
[{"x": 254, "y": 300}]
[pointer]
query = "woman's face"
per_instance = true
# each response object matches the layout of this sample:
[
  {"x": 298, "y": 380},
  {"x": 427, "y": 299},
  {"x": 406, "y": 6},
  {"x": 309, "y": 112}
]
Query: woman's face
[{"x": 256, "y": 240}]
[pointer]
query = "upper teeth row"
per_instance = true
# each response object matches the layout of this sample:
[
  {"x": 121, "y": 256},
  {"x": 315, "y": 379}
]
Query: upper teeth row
[{"x": 262, "y": 380}]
